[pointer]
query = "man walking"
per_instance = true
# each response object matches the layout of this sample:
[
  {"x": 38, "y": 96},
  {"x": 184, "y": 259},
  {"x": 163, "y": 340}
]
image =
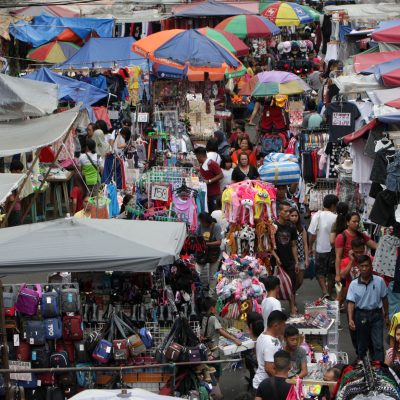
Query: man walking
[
  {"x": 320, "y": 230},
  {"x": 366, "y": 296}
]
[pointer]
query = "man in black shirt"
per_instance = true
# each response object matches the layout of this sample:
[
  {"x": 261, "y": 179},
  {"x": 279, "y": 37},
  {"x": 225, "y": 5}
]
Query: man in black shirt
[
  {"x": 286, "y": 248},
  {"x": 276, "y": 388}
]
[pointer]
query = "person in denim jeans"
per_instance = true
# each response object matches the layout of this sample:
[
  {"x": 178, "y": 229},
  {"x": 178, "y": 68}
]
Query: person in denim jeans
[{"x": 368, "y": 309}]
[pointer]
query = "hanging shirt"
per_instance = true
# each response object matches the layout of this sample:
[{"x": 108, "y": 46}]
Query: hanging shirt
[
  {"x": 362, "y": 165},
  {"x": 341, "y": 118}
]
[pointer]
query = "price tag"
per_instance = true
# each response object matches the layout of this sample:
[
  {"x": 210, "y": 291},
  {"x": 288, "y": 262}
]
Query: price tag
[
  {"x": 39, "y": 382},
  {"x": 33, "y": 355},
  {"x": 159, "y": 192},
  {"x": 48, "y": 300},
  {"x": 108, "y": 349},
  {"x": 81, "y": 347},
  {"x": 31, "y": 341},
  {"x": 16, "y": 340}
]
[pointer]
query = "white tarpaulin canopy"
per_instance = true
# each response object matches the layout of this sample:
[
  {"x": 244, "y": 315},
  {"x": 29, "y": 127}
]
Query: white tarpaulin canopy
[
  {"x": 379, "y": 11},
  {"x": 112, "y": 394},
  {"x": 22, "y": 136},
  {"x": 9, "y": 182},
  {"x": 75, "y": 245},
  {"x": 20, "y": 98},
  {"x": 356, "y": 83}
]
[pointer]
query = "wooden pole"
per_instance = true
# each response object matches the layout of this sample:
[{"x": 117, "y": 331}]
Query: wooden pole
[
  {"x": 28, "y": 174},
  {"x": 4, "y": 343},
  {"x": 36, "y": 194}
]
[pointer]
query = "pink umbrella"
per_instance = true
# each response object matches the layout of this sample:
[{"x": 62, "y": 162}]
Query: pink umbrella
[{"x": 269, "y": 77}]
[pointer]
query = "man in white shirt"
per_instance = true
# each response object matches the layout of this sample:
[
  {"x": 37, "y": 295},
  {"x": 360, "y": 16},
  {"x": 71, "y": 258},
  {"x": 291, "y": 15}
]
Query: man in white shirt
[
  {"x": 270, "y": 303},
  {"x": 320, "y": 230},
  {"x": 267, "y": 345}
]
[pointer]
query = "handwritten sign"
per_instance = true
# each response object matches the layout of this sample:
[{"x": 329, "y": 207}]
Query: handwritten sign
[
  {"x": 16, "y": 365},
  {"x": 159, "y": 192},
  {"x": 141, "y": 117}
]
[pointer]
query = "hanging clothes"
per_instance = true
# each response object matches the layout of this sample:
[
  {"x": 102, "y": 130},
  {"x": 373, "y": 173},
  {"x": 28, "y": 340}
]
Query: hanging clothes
[
  {"x": 113, "y": 207},
  {"x": 114, "y": 170},
  {"x": 186, "y": 207},
  {"x": 385, "y": 255}
]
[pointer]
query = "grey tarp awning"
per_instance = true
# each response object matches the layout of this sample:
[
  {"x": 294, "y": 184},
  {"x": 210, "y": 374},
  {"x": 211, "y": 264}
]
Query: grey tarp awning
[
  {"x": 90, "y": 245},
  {"x": 22, "y": 136},
  {"x": 9, "y": 182},
  {"x": 20, "y": 98}
]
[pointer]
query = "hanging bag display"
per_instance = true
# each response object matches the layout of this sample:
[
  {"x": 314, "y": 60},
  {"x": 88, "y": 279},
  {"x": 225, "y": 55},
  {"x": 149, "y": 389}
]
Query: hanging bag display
[
  {"x": 59, "y": 359},
  {"x": 50, "y": 304},
  {"x": 102, "y": 352},
  {"x": 70, "y": 302},
  {"x": 35, "y": 333},
  {"x": 72, "y": 327},
  {"x": 28, "y": 299},
  {"x": 9, "y": 299},
  {"x": 40, "y": 357},
  {"x": 53, "y": 328}
]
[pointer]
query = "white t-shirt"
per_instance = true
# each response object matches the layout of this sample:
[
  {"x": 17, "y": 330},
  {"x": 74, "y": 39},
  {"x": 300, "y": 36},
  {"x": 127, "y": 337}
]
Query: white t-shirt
[
  {"x": 268, "y": 305},
  {"x": 212, "y": 155},
  {"x": 227, "y": 179},
  {"x": 266, "y": 347},
  {"x": 119, "y": 141},
  {"x": 321, "y": 225},
  {"x": 84, "y": 160}
]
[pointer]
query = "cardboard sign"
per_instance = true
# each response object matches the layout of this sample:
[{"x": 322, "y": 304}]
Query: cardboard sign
[{"x": 159, "y": 192}]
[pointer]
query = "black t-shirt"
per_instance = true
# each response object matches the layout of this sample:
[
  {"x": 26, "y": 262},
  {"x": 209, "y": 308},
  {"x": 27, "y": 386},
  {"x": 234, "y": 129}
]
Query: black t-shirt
[
  {"x": 341, "y": 118},
  {"x": 238, "y": 175},
  {"x": 274, "y": 388},
  {"x": 284, "y": 236}
]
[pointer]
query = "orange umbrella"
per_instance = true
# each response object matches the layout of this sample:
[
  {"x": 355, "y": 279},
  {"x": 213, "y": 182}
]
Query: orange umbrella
[{"x": 190, "y": 51}]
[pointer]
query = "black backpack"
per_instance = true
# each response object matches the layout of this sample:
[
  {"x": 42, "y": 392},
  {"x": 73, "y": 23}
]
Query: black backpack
[
  {"x": 54, "y": 393},
  {"x": 40, "y": 357}
]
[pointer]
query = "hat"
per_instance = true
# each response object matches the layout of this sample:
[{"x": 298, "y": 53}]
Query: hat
[
  {"x": 309, "y": 44},
  {"x": 295, "y": 47},
  {"x": 287, "y": 47},
  {"x": 303, "y": 46},
  {"x": 280, "y": 48}
]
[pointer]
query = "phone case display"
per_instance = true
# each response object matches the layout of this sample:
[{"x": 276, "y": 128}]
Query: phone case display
[{"x": 239, "y": 291}]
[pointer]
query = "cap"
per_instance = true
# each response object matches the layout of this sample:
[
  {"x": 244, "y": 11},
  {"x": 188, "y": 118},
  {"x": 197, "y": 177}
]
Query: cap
[
  {"x": 303, "y": 46},
  {"x": 280, "y": 48},
  {"x": 287, "y": 47}
]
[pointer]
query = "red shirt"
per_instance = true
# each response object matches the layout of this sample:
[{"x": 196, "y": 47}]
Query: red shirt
[
  {"x": 213, "y": 189},
  {"x": 339, "y": 242},
  {"x": 76, "y": 193},
  {"x": 252, "y": 157}
]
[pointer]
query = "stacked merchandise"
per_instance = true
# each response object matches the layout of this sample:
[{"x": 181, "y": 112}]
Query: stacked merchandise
[
  {"x": 280, "y": 169},
  {"x": 239, "y": 289},
  {"x": 294, "y": 56}
]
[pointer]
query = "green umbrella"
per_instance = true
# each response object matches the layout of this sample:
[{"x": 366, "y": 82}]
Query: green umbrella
[{"x": 313, "y": 12}]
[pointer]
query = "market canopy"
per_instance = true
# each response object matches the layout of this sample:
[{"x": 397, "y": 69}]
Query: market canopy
[
  {"x": 390, "y": 97},
  {"x": 90, "y": 245},
  {"x": 20, "y": 98},
  {"x": 363, "y": 62},
  {"x": 104, "y": 53},
  {"x": 53, "y": 52},
  {"x": 356, "y": 83},
  {"x": 387, "y": 31},
  {"x": 44, "y": 28},
  {"x": 70, "y": 89},
  {"x": 8, "y": 183},
  {"x": 210, "y": 8},
  {"x": 388, "y": 73},
  {"x": 23, "y": 136},
  {"x": 52, "y": 10},
  {"x": 368, "y": 12}
]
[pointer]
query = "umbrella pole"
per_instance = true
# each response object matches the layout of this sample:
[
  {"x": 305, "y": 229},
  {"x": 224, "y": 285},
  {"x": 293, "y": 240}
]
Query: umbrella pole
[
  {"x": 28, "y": 174},
  {"x": 4, "y": 343},
  {"x": 46, "y": 175}
]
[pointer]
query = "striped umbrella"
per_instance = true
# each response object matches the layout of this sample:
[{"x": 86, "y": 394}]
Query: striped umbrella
[
  {"x": 191, "y": 52},
  {"x": 287, "y": 14},
  {"x": 53, "y": 52},
  {"x": 272, "y": 88},
  {"x": 226, "y": 39},
  {"x": 249, "y": 26}
]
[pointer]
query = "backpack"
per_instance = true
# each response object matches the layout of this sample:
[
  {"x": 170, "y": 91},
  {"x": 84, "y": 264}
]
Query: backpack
[
  {"x": 136, "y": 345},
  {"x": 84, "y": 378},
  {"x": 28, "y": 299},
  {"x": 59, "y": 360},
  {"x": 50, "y": 305},
  {"x": 40, "y": 357},
  {"x": 81, "y": 353},
  {"x": 9, "y": 299},
  {"x": 102, "y": 352},
  {"x": 146, "y": 337},
  {"x": 120, "y": 350},
  {"x": 54, "y": 393},
  {"x": 72, "y": 327},
  {"x": 92, "y": 340},
  {"x": 53, "y": 328},
  {"x": 40, "y": 393},
  {"x": 23, "y": 351},
  {"x": 35, "y": 332},
  {"x": 68, "y": 347},
  {"x": 70, "y": 302}
]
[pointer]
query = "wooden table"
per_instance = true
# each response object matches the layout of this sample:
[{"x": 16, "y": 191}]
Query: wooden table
[{"x": 59, "y": 183}]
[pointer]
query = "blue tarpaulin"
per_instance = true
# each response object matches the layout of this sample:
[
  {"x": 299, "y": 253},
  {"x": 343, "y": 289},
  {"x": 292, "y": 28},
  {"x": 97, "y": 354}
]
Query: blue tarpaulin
[
  {"x": 390, "y": 119},
  {"x": 44, "y": 28},
  {"x": 70, "y": 89},
  {"x": 104, "y": 53}
]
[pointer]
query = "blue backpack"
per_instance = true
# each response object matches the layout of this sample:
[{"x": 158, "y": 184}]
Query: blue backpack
[
  {"x": 35, "y": 333},
  {"x": 102, "y": 352},
  {"x": 50, "y": 305},
  {"x": 53, "y": 328},
  {"x": 146, "y": 337}
]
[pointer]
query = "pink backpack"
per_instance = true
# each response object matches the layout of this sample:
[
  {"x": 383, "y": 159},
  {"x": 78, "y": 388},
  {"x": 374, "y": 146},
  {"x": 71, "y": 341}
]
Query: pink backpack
[{"x": 28, "y": 299}]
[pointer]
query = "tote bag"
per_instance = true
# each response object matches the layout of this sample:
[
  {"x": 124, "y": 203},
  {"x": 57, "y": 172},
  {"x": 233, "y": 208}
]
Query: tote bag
[{"x": 285, "y": 286}]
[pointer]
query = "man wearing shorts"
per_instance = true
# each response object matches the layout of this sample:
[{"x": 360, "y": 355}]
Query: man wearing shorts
[
  {"x": 286, "y": 248},
  {"x": 320, "y": 230}
]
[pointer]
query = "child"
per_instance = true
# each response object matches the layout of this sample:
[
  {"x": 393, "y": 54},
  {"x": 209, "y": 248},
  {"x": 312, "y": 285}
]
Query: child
[
  {"x": 393, "y": 354},
  {"x": 14, "y": 219},
  {"x": 211, "y": 330},
  {"x": 77, "y": 194},
  {"x": 298, "y": 355}
]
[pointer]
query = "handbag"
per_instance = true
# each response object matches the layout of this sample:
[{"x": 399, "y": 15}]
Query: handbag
[{"x": 285, "y": 286}]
